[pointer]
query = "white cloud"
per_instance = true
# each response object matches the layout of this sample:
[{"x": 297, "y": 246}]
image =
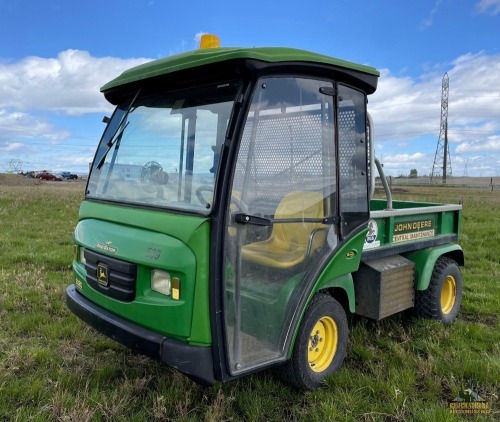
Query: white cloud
[
  {"x": 63, "y": 162},
  {"x": 407, "y": 114},
  {"x": 188, "y": 45},
  {"x": 67, "y": 84},
  {"x": 491, "y": 144},
  {"x": 405, "y": 109},
  {"x": 197, "y": 37},
  {"x": 491, "y": 7},
  {"x": 10, "y": 146},
  {"x": 35, "y": 92},
  {"x": 405, "y": 158},
  {"x": 401, "y": 164},
  {"x": 427, "y": 22},
  {"x": 18, "y": 126}
]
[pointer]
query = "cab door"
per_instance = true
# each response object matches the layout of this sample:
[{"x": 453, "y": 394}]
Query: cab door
[{"x": 281, "y": 218}]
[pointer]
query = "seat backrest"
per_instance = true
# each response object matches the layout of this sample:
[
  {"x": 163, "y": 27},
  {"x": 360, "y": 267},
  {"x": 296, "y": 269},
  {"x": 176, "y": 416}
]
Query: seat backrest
[{"x": 295, "y": 236}]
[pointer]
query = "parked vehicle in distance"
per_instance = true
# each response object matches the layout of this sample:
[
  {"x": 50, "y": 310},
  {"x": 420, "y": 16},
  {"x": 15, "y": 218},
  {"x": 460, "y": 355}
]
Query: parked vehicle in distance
[
  {"x": 49, "y": 176},
  {"x": 68, "y": 175}
]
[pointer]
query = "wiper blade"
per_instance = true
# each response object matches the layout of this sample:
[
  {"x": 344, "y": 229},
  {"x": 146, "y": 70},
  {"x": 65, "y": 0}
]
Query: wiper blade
[
  {"x": 110, "y": 144},
  {"x": 119, "y": 132}
]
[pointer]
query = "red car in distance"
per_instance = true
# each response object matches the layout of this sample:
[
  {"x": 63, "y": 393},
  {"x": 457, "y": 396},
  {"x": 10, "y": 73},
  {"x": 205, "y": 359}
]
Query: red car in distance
[{"x": 48, "y": 176}]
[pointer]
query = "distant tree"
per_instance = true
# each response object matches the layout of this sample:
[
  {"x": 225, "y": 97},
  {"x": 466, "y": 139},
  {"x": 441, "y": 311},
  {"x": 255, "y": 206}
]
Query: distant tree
[{"x": 413, "y": 173}]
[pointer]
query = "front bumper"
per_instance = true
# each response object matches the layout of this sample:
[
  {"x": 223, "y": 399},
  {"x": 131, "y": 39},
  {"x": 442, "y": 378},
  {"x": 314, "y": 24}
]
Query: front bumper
[{"x": 194, "y": 361}]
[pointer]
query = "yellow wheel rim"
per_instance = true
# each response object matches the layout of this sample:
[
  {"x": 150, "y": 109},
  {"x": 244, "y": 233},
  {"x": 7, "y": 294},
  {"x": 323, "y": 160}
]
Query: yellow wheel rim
[
  {"x": 448, "y": 294},
  {"x": 322, "y": 345}
]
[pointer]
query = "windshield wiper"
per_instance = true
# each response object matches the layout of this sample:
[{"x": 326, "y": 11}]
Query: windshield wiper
[
  {"x": 110, "y": 144},
  {"x": 119, "y": 131}
]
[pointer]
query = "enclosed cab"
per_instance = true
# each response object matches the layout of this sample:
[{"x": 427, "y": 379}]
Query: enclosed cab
[{"x": 227, "y": 207}]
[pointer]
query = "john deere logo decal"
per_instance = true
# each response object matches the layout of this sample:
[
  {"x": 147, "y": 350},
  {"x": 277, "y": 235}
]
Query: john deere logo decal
[
  {"x": 351, "y": 254},
  {"x": 106, "y": 247},
  {"x": 102, "y": 275},
  {"x": 413, "y": 230}
]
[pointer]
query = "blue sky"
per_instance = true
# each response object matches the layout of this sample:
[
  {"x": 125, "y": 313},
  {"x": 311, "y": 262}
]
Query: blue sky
[{"x": 55, "y": 55}]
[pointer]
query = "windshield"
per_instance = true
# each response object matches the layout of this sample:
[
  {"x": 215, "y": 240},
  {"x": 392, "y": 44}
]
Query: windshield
[{"x": 164, "y": 152}]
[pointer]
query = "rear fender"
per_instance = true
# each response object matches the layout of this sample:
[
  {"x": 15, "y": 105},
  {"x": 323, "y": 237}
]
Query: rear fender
[{"x": 425, "y": 259}]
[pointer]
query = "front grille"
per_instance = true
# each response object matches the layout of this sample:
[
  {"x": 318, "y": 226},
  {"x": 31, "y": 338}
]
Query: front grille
[{"x": 118, "y": 278}]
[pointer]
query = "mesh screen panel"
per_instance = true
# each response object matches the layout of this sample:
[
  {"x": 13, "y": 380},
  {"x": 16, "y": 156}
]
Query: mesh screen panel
[
  {"x": 347, "y": 132},
  {"x": 287, "y": 155}
]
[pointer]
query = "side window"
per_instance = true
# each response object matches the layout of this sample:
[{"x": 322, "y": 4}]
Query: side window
[
  {"x": 287, "y": 143},
  {"x": 352, "y": 153}
]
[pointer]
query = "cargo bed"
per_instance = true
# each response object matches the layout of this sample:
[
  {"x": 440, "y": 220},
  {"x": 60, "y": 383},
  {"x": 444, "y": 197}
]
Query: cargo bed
[{"x": 409, "y": 226}]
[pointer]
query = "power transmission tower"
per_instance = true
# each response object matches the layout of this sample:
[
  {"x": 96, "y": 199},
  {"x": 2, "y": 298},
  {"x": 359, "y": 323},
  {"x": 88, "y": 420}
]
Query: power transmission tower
[
  {"x": 15, "y": 166},
  {"x": 442, "y": 161}
]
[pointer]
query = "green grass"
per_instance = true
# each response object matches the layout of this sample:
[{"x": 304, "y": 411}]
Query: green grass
[{"x": 53, "y": 367}]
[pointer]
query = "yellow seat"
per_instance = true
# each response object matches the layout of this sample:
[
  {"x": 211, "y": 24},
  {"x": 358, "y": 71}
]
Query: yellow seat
[
  {"x": 234, "y": 209},
  {"x": 290, "y": 243}
]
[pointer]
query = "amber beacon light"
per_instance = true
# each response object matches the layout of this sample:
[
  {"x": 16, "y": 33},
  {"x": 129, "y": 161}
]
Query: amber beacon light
[{"x": 209, "y": 41}]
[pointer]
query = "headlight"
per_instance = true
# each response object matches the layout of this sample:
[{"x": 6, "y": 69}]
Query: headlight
[
  {"x": 160, "y": 282},
  {"x": 82, "y": 256}
]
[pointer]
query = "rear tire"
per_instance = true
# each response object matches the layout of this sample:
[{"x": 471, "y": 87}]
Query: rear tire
[
  {"x": 442, "y": 299},
  {"x": 320, "y": 346}
]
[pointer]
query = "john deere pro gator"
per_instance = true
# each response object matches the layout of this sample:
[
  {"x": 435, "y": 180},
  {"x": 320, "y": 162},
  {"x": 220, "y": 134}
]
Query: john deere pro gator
[{"x": 228, "y": 223}]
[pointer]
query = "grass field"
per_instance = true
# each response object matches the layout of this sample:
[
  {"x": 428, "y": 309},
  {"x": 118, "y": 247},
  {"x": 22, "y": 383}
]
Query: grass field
[{"x": 53, "y": 367}]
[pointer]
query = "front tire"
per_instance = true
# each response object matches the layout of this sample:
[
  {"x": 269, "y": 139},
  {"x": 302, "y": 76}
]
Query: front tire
[
  {"x": 320, "y": 346},
  {"x": 442, "y": 299}
]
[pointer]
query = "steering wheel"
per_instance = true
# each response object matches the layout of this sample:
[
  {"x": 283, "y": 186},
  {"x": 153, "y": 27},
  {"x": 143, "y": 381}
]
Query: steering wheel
[{"x": 208, "y": 188}]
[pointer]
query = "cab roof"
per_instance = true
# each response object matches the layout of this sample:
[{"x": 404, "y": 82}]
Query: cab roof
[{"x": 203, "y": 57}]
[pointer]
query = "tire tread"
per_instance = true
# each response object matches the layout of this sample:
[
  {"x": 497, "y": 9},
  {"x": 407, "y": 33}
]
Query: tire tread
[
  {"x": 428, "y": 302},
  {"x": 294, "y": 371}
]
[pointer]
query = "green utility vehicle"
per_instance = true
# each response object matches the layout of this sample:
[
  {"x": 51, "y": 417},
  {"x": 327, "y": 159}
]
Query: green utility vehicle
[{"x": 228, "y": 223}]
